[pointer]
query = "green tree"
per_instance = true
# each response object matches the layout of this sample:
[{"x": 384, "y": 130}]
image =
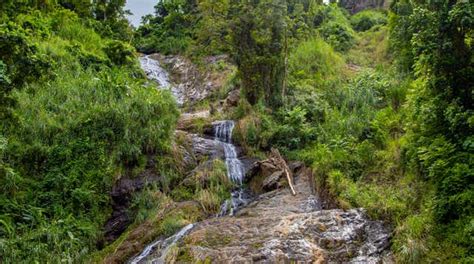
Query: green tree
[
  {"x": 434, "y": 41},
  {"x": 259, "y": 46},
  {"x": 212, "y": 31},
  {"x": 170, "y": 29}
]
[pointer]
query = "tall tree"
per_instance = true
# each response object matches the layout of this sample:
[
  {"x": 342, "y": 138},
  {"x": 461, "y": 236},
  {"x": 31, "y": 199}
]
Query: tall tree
[{"x": 258, "y": 40}]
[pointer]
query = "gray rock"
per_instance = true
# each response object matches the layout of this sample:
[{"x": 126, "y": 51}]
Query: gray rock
[{"x": 272, "y": 182}]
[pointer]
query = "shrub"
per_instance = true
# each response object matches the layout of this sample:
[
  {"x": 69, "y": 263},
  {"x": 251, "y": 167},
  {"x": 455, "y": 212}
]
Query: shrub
[
  {"x": 119, "y": 52},
  {"x": 340, "y": 36},
  {"x": 367, "y": 19},
  {"x": 333, "y": 25},
  {"x": 315, "y": 61},
  {"x": 71, "y": 137},
  {"x": 213, "y": 186}
]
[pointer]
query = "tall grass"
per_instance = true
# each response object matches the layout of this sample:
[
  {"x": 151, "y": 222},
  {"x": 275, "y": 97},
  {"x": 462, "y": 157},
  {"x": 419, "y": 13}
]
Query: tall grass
[{"x": 70, "y": 137}]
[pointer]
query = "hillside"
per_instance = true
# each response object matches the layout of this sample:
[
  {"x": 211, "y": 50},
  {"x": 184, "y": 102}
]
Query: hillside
[{"x": 236, "y": 131}]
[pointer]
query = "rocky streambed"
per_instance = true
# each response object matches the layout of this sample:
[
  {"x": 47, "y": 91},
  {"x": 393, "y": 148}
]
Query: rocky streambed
[{"x": 279, "y": 227}]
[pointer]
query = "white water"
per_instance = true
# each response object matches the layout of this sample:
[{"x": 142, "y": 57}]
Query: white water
[
  {"x": 235, "y": 169},
  {"x": 155, "y": 72},
  {"x": 162, "y": 246},
  {"x": 223, "y": 134}
]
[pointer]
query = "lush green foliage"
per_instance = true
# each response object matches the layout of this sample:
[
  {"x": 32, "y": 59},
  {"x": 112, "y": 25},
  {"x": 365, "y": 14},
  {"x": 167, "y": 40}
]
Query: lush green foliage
[
  {"x": 382, "y": 113},
  {"x": 367, "y": 19},
  {"x": 80, "y": 113},
  {"x": 170, "y": 30},
  {"x": 394, "y": 140},
  {"x": 435, "y": 41},
  {"x": 258, "y": 35}
]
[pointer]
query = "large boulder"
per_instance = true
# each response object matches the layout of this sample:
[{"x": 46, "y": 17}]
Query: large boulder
[{"x": 271, "y": 173}]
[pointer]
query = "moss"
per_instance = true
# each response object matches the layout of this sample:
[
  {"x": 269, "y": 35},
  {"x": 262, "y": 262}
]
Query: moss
[
  {"x": 257, "y": 245},
  {"x": 215, "y": 239},
  {"x": 182, "y": 193},
  {"x": 185, "y": 255}
]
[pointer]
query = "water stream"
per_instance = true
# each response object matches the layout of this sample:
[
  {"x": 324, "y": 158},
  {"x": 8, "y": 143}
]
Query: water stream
[
  {"x": 235, "y": 169},
  {"x": 161, "y": 246},
  {"x": 156, "y": 252},
  {"x": 155, "y": 72},
  {"x": 303, "y": 228}
]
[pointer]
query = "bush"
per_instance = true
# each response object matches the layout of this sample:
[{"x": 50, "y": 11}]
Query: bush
[
  {"x": 340, "y": 36},
  {"x": 315, "y": 62},
  {"x": 119, "y": 52},
  {"x": 333, "y": 25},
  {"x": 294, "y": 131},
  {"x": 20, "y": 55},
  {"x": 367, "y": 19},
  {"x": 212, "y": 186}
]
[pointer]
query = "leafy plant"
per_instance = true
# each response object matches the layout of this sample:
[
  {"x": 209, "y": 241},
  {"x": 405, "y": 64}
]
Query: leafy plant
[{"x": 367, "y": 19}]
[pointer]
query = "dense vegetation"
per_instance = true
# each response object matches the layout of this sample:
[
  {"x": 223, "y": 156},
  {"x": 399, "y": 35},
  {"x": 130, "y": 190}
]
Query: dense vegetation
[
  {"x": 76, "y": 114},
  {"x": 378, "y": 103}
]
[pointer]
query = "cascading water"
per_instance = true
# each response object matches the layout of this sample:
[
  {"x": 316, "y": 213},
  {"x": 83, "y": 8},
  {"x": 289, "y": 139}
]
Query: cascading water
[
  {"x": 155, "y": 72},
  {"x": 161, "y": 246},
  {"x": 156, "y": 252},
  {"x": 235, "y": 169},
  {"x": 223, "y": 134}
]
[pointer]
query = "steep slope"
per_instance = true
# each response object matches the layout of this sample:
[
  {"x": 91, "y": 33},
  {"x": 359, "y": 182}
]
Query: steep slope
[{"x": 280, "y": 227}]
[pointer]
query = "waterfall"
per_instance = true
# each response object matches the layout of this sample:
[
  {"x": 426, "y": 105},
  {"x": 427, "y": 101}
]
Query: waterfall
[
  {"x": 157, "y": 251},
  {"x": 162, "y": 246},
  {"x": 235, "y": 169},
  {"x": 223, "y": 134},
  {"x": 155, "y": 72}
]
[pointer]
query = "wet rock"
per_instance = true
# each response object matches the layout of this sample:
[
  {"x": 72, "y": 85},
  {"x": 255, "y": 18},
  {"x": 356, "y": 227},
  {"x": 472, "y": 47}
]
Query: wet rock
[
  {"x": 205, "y": 149},
  {"x": 191, "y": 84},
  {"x": 136, "y": 240},
  {"x": 280, "y": 228}
]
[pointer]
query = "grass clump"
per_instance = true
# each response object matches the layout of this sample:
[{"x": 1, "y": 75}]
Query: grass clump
[{"x": 213, "y": 186}]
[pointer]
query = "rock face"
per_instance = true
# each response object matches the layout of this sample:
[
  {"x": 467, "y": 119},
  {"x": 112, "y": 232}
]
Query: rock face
[
  {"x": 270, "y": 174},
  {"x": 279, "y": 227},
  {"x": 189, "y": 83}
]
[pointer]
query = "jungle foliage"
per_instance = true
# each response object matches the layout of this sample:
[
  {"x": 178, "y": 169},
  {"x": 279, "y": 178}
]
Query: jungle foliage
[{"x": 75, "y": 115}]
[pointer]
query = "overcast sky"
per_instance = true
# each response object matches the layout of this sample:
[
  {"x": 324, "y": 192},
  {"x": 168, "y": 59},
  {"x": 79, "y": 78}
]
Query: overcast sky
[{"x": 140, "y": 8}]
